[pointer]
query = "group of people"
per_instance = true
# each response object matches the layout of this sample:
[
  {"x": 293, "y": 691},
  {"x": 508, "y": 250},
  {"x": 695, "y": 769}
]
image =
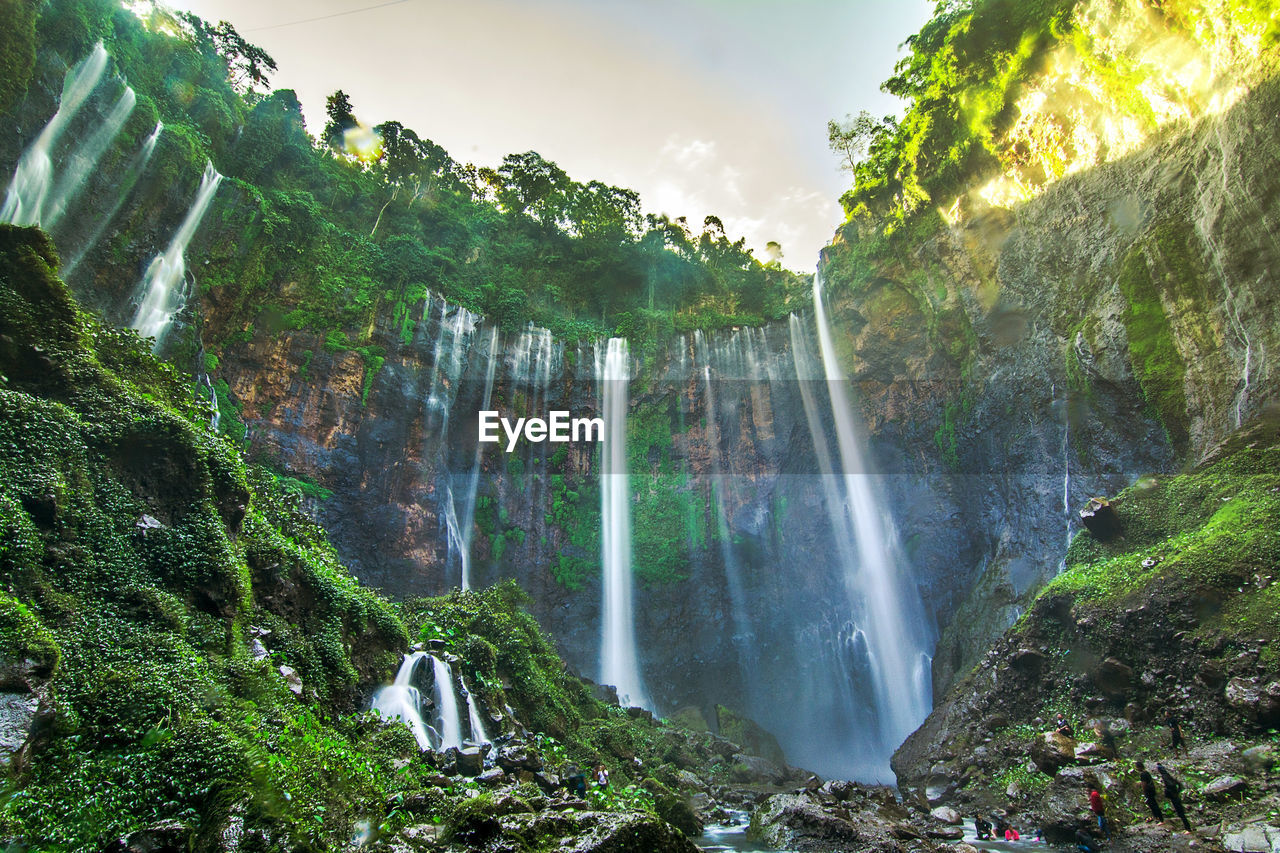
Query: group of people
[
  {"x": 1001, "y": 829},
  {"x": 575, "y": 780}
]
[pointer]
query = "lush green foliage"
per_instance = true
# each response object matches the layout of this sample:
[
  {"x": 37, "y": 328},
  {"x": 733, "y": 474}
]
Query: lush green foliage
[
  {"x": 330, "y": 237},
  {"x": 140, "y": 557}
]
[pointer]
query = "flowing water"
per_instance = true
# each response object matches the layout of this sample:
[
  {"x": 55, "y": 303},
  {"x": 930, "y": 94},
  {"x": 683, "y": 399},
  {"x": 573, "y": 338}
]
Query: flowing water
[
  {"x": 401, "y": 700},
  {"x": 82, "y": 159},
  {"x": 164, "y": 285},
  {"x": 618, "y": 660},
  {"x": 448, "y": 721},
  {"x": 32, "y": 195}
]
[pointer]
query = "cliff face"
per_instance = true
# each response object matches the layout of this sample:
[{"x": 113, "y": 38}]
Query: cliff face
[{"x": 1100, "y": 309}]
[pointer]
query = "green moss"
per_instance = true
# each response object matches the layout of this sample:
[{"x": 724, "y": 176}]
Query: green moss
[
  {"x": 17, "y": 50},
  {"x": 1156, "y": 362}
]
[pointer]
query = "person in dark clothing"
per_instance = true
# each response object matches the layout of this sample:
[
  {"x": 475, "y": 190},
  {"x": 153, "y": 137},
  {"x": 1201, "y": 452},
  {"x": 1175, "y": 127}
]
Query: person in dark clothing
[
  {"x": 1100, "y": 812},
  {"x": 1173, "y": 793},
  {"x": 982, "y": 827},
  {"x": 1001, "y": 826},
  {"x": 1149, "y": 792},
  {"x": 1175, "y": 732},
  {"x": 1064, "y": 727},
  {"x": 1084, "y": 842}
]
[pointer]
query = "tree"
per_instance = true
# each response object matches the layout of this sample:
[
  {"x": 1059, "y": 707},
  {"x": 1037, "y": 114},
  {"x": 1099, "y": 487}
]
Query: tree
[
  {"x": 341, "y": 118},
  {"x": 851, "y": 138},
  {"x": 248, "y": 65},
  {"x": 530, "y": 184}
]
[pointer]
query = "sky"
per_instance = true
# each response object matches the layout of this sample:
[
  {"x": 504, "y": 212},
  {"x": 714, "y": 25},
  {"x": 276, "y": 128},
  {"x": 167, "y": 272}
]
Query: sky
[{"x": 702, "y": 106}]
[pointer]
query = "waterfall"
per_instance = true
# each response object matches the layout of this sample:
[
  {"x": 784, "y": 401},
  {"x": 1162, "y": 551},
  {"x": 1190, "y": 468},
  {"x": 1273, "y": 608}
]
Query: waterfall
[
  {"x": 469, "y": 507},
  {"x": 1066, "y": 478},
  {"x": 82, "y": 160},
  {"x": 29, "y": 192},
  {"x": 163, "y": 293},
  {"x": 618, "y": 662},
  {"x": 478, "y": 734},
  {"x": 885, "y": 605},
  {"x": 401, "y": 700},
  {"x": 446, "y": 705},
  {"x": 133, "y": 171}
]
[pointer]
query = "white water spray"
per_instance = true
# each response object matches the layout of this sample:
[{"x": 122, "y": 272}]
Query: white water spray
[
  {"x": 82, "y": 160},
  {"x": 469, "y": 508},
  {"x": 28, "y": 196},
  {"x": 618, "y": 661},
  {"x": 446, "y": 705},
  {"x": 400, "y": 700},
  {"x": 886, "y": 603},
  {"x": 163, "y": 287}
]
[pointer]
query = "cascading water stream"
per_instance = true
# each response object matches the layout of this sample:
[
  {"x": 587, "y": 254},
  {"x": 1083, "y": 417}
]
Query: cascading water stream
[
  {"x": 401, "y": 700},
  {"x": 618, "y": 661},
  {"x": 163, "y": 291},
  {"x": 886, "y": 604},
  {"x": 137, "y": 165},
  {"x": 478, "y": 733},
  {"x": 473, "y": 482},
  {"x": 84, "y": 157},
  {"x": 446, "y": 705},
  {"x": 28, "y": 197}
]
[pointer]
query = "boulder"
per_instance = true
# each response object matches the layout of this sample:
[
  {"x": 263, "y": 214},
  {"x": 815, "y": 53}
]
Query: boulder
[
  {"x": 1028, "y": 661},
  {"x": 1052, "y": 751},
  {"x": 1099, "y": 518},
  {"x": 793, "y": 822},
  {"x": 945, "y": 833},
  {"x": 753, "y": 768},
  {"x": 1256, "y": 838},
  {"x": 750, "y": 735},
  {"x": 169, "y": 836},
  {"x": 1259, "y": 759},
  {"x": 1113, "y": 677},
  {"x": 840, "y": 789},
  {"x": 1065, "y": 804},
  {"x": 595, "y": 832},
  {"x": 470, "y": 761},
  {"x": 492, "y": 777},
  {"x": 1259, "y": 702},
  {"x": 947, "y": 815},
  {"x": 291, "y": 678},
  {"x": 1225, "y": 788}
]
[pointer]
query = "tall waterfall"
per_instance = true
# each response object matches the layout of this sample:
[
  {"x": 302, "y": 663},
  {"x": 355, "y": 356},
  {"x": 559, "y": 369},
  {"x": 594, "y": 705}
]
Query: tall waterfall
[
  {"x": 133, "y": 171},
  {"x": 32, "y": 196},
  {"x": 401, "y": 700},
  {"x": 618, "y": 662},
  {"x": 84, "y": 157},
  {"x": 473, "y": 481},
  {"x": 890, "y": 633},
  {"x": 163, "y": 287}
]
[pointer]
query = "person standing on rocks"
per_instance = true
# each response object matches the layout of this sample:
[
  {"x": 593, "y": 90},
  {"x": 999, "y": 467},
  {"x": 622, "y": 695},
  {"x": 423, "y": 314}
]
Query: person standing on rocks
[
  {"x": 1100, "y": 812},
  {"x": 1149, "y": 792},
  {"x": 1176, "y": 742},
  {"x": 1173, "y": 793}
]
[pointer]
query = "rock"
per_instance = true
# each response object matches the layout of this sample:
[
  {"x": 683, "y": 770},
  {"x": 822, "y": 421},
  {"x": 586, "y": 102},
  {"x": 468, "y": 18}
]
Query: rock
[
  {"x": 1225, "y": 788},
  {"x": 841, "y": 789},
  {"x": 470, "y": 761},
  {"x": 947, "y": 815},
  {"x": 1113, "y": 677},
  {"x": 1065, "y": 803},
  {"x": 1258, "y": 702},
  {"x": 685, "y": 779},
  {"x": 1089, "y": 752},
  {"x": 792, "y": 822},
  {"x": 492, "y": 777},
  {"x": 754, "y": 738},
  {"x": 1052, "y": 751},
  {"x": 1259, "y": 758},
  {"x": 291, "y": 678},
  {"x": 690, "y": 717},
  {"x": 518, "y": 758},
  {"x": 1253, "y": 839},
  {"x": 18, "y": 712},
  {"x": 594, "y": 832},
  {"x": 945, "y": 833},
  {"x": 1028, "y": 661},
  {"x": 257, "y": 650},
  {"x": 169, "y": 836},
  {"x": 1100, "y": 519},
  {"x": 753, "y": 768}
]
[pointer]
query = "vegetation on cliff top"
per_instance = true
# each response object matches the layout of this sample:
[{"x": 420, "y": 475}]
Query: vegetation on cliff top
[{"x": 330, "y": 235}]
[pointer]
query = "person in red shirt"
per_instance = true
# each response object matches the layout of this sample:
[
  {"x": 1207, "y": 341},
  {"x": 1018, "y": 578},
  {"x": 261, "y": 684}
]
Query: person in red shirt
[{"x": 1099, "y": 810}]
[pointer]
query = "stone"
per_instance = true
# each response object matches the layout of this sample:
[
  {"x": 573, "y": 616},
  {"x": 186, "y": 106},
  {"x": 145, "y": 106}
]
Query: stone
[
  {"x": 470, "y": 761},
  {"x": 169, "y": 836},
  {"x": 1052, "y": 751},
  {"x": 945, "y": 833},
  {"x": 1257, "y": 701},
  {"x": 492, "y": 777},
  {"x": 18, "y": 712},
  {"x": 1252, "y": 839},
  {"x": 1259, "y": 758},
  {"x": 841, "y": 789},
  {"x": 792, "y": 822},
  {"x": 1028, "y": 660},
  {"x": 1100, "y": 519},
  {"x": 947, "y": 815},
  {"x": 753, "y": 768},
  {"x": 1225, "y": 787},
  {"x": 292, "y": 679},
  {"x": 1113, "y": 677}
]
